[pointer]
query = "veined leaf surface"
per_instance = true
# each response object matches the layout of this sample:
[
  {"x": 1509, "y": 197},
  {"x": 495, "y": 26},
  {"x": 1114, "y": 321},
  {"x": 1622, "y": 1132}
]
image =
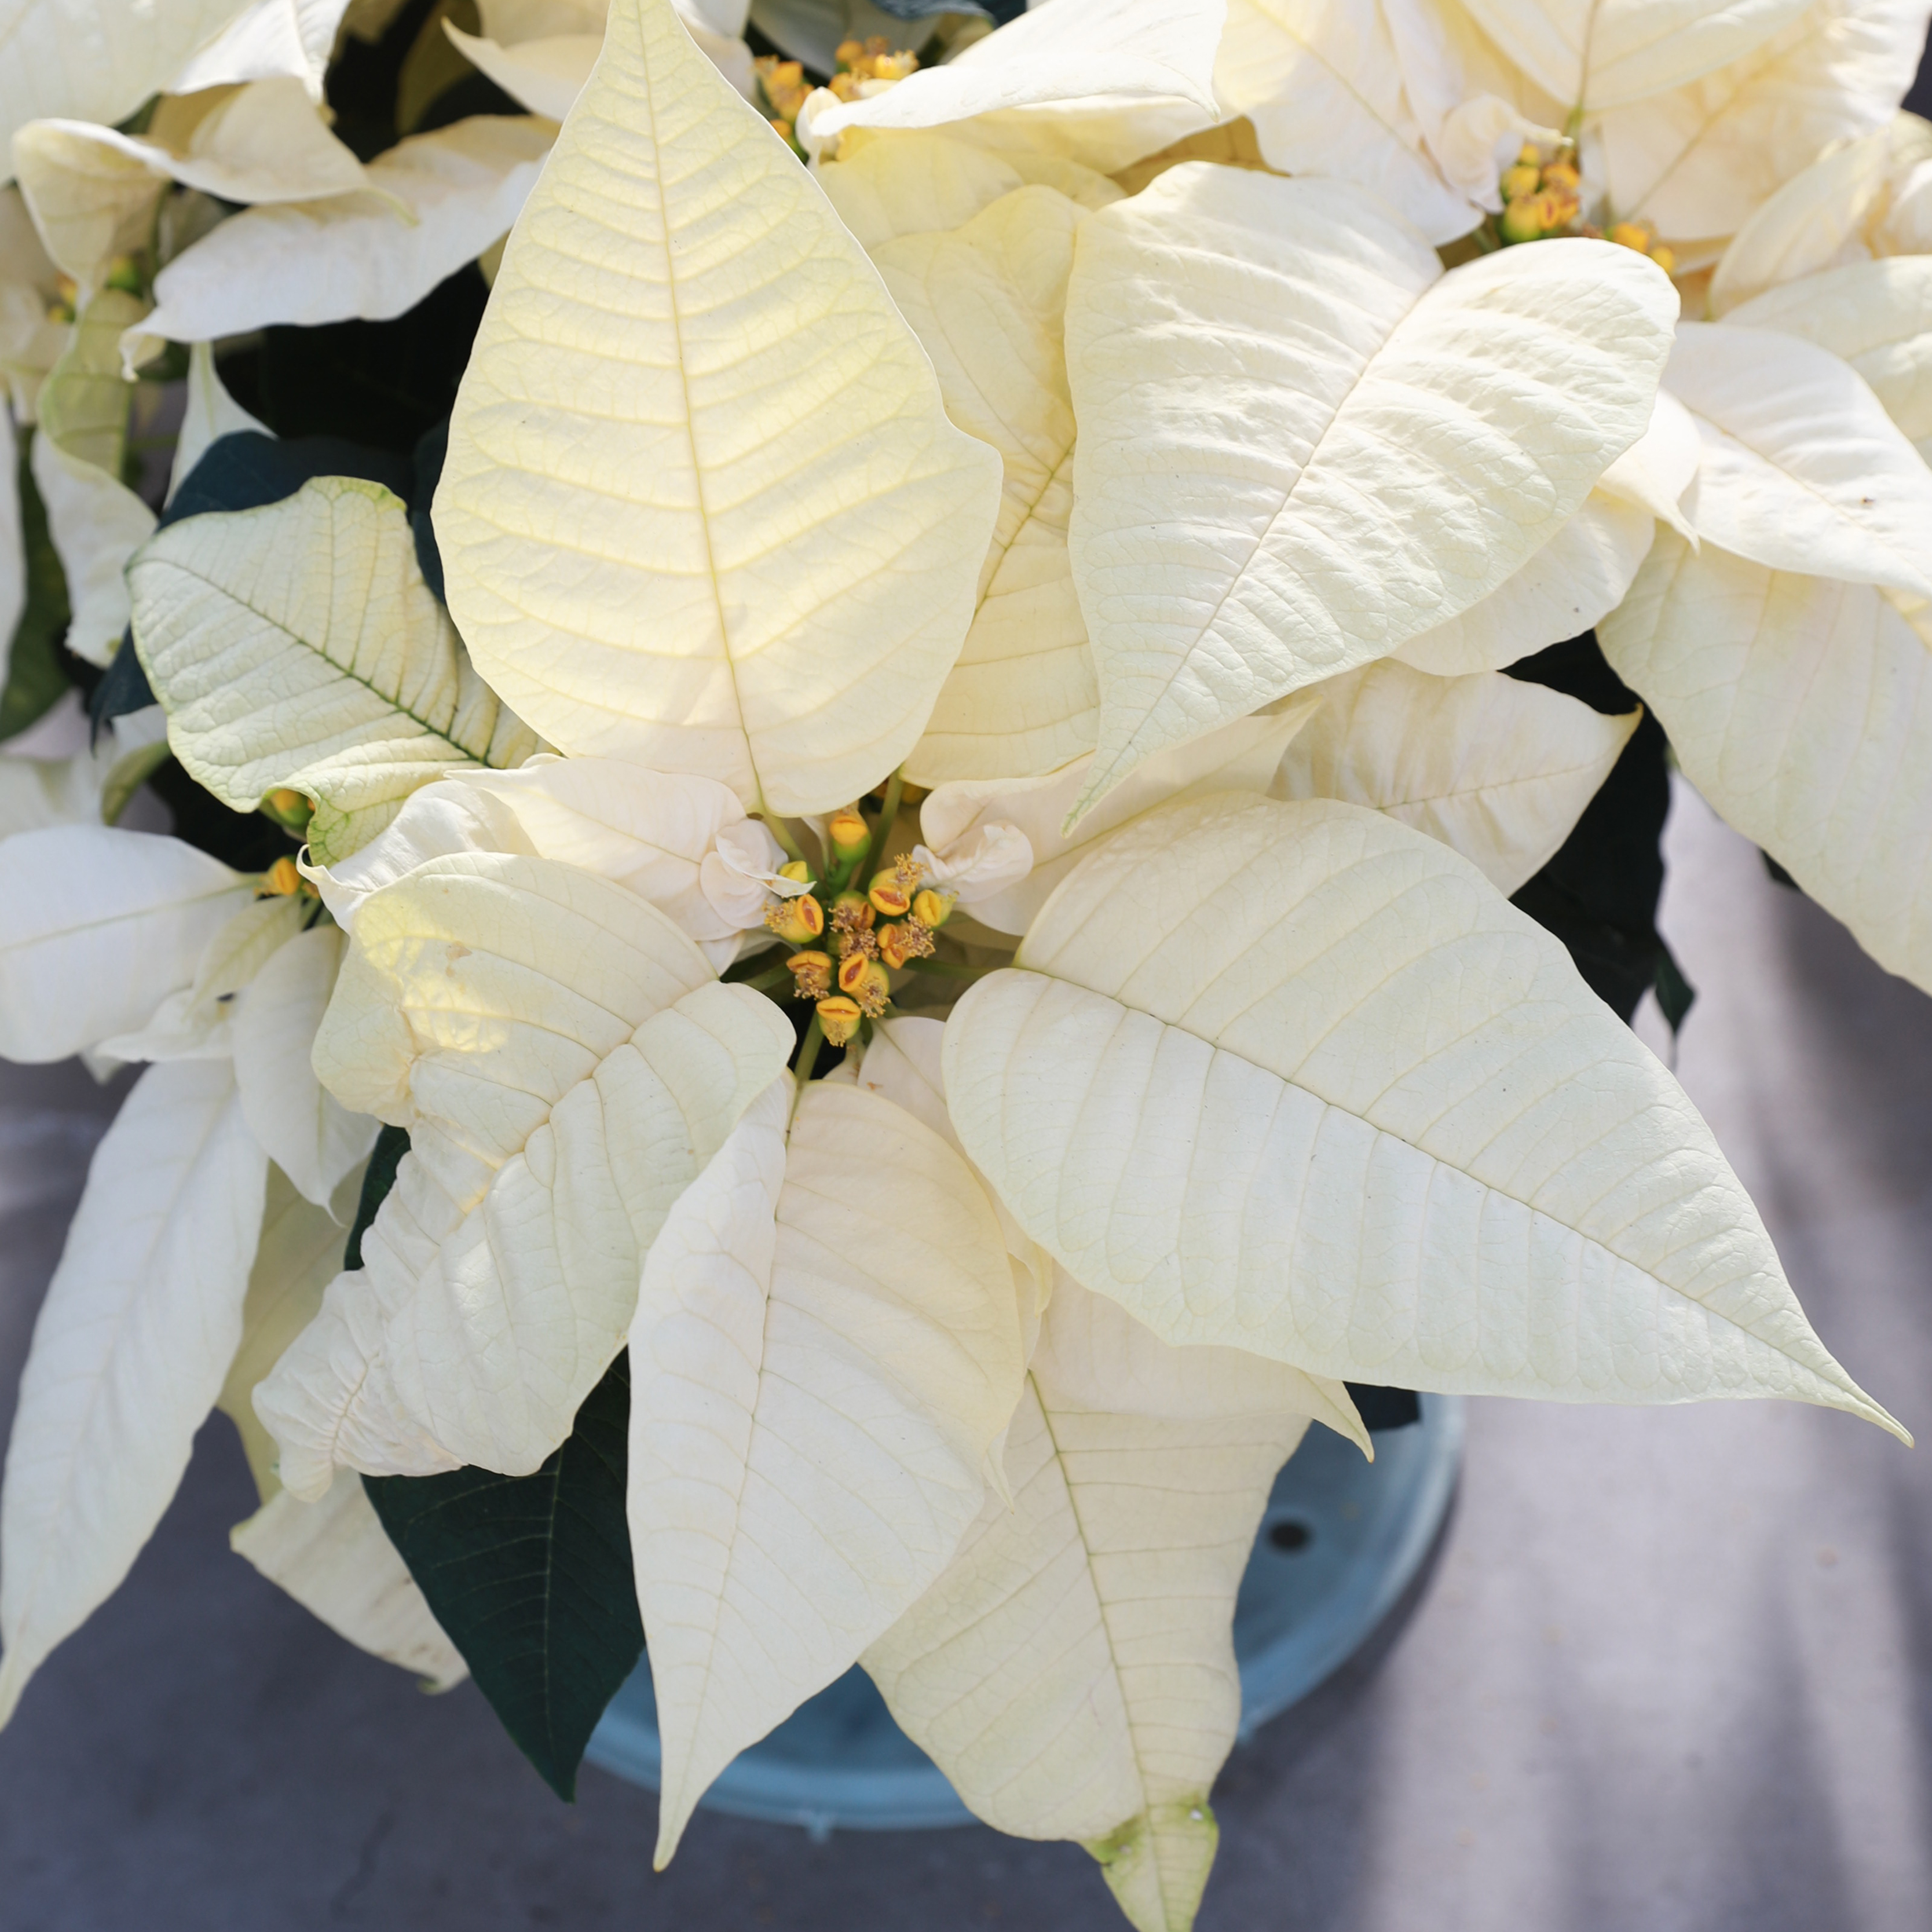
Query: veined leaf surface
[
  {"x": 1420, "y": 1151},
  {"x": 1497, "y": 769},
  {"x": 702, "y": 507},
  {"x": 298, "y": 645},
  {"x": 97, "y": 926},
  {"x": 1601, "y": 53},
  {"x": 1877, "y": 316},
  {"x": 566, "y": 1063},
  {"x": 1389, "y": 445},
  {"x": 1072, "y": 1671},
  {"x": 987, "y": 302},
  {"x": 140, "y": 1322},
  {"x": 1801, "y": 469},
  {"x": 826, "y": 1343},
  {"x": 1802, "y": 709}
]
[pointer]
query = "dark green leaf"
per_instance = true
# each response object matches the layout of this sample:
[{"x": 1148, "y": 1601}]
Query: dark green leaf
[
  {"x": 250, "y": 841},
  {"x": 381, "y": 383},
  {"x": 378, "y": 1177},
  {"x": 1599, "y": 894},
  {"x": 530, "y": 1576},
  {"x": 36, "y": 670},
  {"x": 1381, "y": 1408},
  {"x": 1778, "y": 875},
  {"x": 429, "y": 455},
  {"x": 246, "y": 469},
  {"x": 1675, "y": 995}
]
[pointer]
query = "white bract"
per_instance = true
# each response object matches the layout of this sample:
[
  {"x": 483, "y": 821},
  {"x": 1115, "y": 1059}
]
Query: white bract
[{"x": 1060, "y": 585}]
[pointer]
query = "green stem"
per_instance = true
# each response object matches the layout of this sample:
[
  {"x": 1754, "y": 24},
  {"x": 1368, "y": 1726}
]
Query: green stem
[
  {"x": 807, "y": 1057},
  {"x": 952, "y": 968},
  {"x": 764, "y": 982},
  {"x": 895, "y": 789},
  {"x": 781, "y": 832}
]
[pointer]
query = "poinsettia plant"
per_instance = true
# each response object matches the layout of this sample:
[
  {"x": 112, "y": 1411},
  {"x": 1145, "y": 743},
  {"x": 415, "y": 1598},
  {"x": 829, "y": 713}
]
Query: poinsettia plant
[{"x": 848, "y": 764}]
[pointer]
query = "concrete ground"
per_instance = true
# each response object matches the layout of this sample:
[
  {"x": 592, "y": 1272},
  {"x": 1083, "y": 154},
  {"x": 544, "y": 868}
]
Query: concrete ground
[{"x": 1672, "y": 1671}]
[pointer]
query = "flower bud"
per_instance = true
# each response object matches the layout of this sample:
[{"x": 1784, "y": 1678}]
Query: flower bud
[
  {"x": 1522, "y": 220},
  {"x": 1520, "y": 180},
  {"x": 838, "y": 1018},
  {"x": 811, "y": 973},
  {"x": 933, "y": 909},
  {"x": 1631, "y": 235},
  {"x": 865, "y": 980},
  {"x": 890, "y": 895},
  {"x": 1666, "y": 259},
  {"x": 852, "y": 912},
  {"x": 281, "y": 880},
  {"x": 124, "y": 273},
  {"x": 850, "y": 833},
  {"x": 1562, "y": 177},
  {"x": 289, "y": 807},
  {"x": 795, "y": 921},
  {"x": 797, "y": 871},
  {"x": 903, "y": 940}
]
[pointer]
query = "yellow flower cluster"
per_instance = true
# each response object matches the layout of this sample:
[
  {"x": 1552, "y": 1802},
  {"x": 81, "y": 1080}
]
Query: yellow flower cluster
[
  {"x": 874, "y": 60},
  {"x": 872, "y": 934},
  {"x": 784, "y": 87},
  {"x": 1543, "y": 199}
]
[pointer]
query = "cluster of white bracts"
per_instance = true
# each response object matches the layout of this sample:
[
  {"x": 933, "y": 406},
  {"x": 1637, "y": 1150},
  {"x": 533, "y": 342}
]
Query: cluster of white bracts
[{"x": 1171, "y": 524}]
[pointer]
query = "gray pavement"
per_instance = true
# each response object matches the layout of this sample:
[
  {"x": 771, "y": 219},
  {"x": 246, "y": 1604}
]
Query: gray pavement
[{"x": 1671, "y": 1671}]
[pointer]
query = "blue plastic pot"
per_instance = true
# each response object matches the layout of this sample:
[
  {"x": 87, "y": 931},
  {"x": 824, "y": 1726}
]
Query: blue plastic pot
[{"x": 1339, "y": 1543}]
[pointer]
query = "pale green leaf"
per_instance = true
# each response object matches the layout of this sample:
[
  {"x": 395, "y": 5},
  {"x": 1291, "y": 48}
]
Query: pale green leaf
[
  {"x": 1418, "y": 1150},
  {"x": 140, "y": 1323},
  {"x": 1877, "y": 316},
  {"x": 93, "y": 190},
  {"x": 309, "y": 1134},
  {"x": 566, "y": 1064},
  {"x": 96, "y": 60},
  {"x": 1082, "y": 58},
  {"x": 98, "y": 926},
  {"x": 1802, "y": 709},
  {"x": 1581, "y": 573},
  {"x": 682, "y": 842},
  {"x": 297, "y": 645},
  {"x": 1322, "y": 83},
  {"x": 1072, "y": 1671},
  {"x": 1802, "y": 469},
  {"x": 96, "y": 524},
  {"x": 83, "y": 402},
  {"x": 826, "y": 1344},
  {"x": 702, "y": 507},
  {"x": 353, "y": 255},
  {"x": 1697, "y": 161},
  {"x": 1603, "y": 53},
  {"x": 913, "y": 183},
  {"x": 1497, "y": 769},
  {"x": 986, "y": 301},
  {"x": 1243, "y": 756},
  {"x": 273, "y": 37},
  {"x": 335, "y": 1558},
  {"x": 1389, "y": 444}
]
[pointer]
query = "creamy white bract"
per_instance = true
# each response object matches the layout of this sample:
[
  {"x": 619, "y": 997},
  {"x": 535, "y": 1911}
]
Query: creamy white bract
[{"x": 1092, "y": 437}]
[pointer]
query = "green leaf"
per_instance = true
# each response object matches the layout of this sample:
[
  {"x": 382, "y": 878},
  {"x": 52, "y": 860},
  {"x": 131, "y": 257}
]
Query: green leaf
[
  {"x": 297, "y": 645},
  {"x": 35, "y": 676},
  {"x": 378, "y": 1177},
  {"x": 1599, "y": 894},
  {"x": 530, "y": 1576}
]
